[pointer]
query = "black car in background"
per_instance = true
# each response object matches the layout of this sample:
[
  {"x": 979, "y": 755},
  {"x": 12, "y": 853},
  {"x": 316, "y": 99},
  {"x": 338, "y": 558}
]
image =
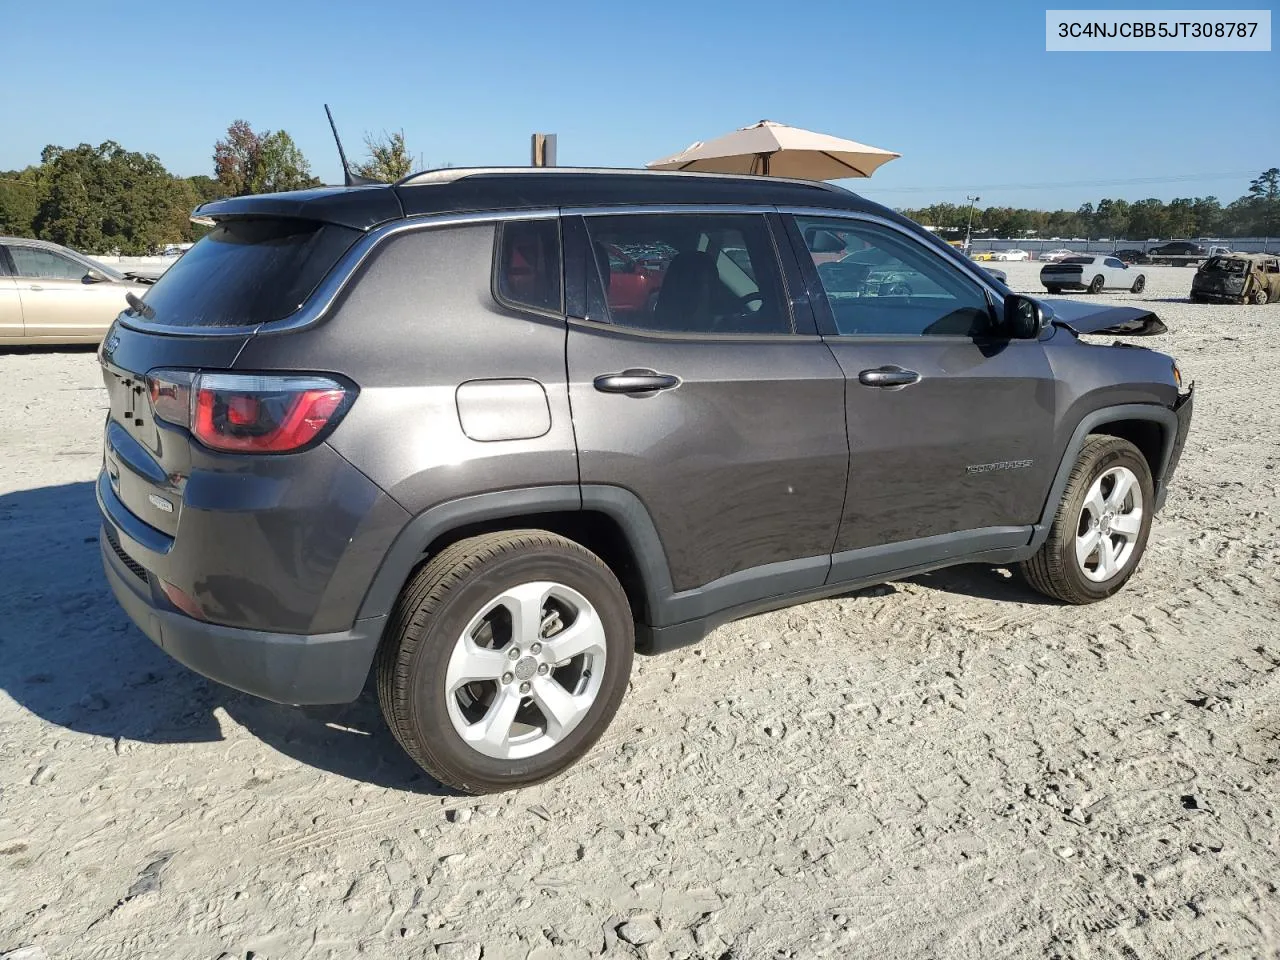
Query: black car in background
[
  {"x": 1132, "y": 256},
  {"x": 1178, "y": 248}
]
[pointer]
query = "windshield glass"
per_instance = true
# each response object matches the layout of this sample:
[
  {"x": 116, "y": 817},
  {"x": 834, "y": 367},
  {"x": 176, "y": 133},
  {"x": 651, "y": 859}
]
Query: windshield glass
[{"x": 247, "y": 272}]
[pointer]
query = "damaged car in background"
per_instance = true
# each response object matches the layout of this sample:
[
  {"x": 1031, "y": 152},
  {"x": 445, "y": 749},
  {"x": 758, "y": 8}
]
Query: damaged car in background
[{"x": 1238, "y": 278}]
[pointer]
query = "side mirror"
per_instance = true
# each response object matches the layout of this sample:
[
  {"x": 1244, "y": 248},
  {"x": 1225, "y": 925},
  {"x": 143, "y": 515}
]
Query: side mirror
[
  {"x": 1023, "y": 317},
  {"x": 93, "y": 276}
]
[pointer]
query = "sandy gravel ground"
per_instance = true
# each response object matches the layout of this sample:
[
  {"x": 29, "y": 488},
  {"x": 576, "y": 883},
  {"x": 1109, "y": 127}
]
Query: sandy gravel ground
[{"x": 944, "y": 767}]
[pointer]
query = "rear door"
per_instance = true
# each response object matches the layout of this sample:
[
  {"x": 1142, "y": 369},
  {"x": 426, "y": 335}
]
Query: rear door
[
  {"x": 716, "y": 403},
  {"x": 10, "y": 302},
  {"x": 950, "y": 427},
  {"x": 59, "y": 300}
]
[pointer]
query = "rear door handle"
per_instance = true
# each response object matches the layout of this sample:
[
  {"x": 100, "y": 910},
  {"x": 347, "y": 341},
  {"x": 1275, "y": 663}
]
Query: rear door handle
[
  {"x": 888, "y": 377},
  {"x": 35, "y": 286},
  {"x": 635, "y": 382}
]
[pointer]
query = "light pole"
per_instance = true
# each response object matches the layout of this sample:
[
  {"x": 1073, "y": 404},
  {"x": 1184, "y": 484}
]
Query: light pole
[{"x": 969, "y": 229}]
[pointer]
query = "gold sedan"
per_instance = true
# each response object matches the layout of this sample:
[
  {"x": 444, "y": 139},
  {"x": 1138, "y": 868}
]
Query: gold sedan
[{"x": 49, "y": 294}]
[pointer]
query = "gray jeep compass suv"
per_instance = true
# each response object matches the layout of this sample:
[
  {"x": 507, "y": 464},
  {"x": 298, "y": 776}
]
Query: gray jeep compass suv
[{"x": 486, "y": 432}]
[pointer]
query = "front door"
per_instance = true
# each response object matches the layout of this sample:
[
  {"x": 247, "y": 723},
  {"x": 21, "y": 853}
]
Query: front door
[
  {"x": 714, "y": 402},
  {"x": 950, "y": 426}
]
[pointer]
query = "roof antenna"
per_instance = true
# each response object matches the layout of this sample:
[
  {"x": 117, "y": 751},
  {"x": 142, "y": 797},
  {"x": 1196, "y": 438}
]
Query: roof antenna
[{"x": 352, "y": 179}]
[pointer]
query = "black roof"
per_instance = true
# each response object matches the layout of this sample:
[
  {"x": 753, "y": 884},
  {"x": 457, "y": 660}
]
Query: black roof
[{"x": 464, "y": 190}]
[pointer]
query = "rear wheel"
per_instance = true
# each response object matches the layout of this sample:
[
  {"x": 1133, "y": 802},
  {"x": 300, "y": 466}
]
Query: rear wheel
[
  {"x": 1101, "y": 527},
  {"x": 1096, "y": 285},
  {"x": 1139, "y": 285},
  {"x": 505, "y": 659},
  {"x": 1054, "y": 289}
]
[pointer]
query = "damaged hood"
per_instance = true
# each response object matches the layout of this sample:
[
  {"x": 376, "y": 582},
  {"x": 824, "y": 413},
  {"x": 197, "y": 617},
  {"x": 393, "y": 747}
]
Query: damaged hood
[{"x": 1080, "y": 317}]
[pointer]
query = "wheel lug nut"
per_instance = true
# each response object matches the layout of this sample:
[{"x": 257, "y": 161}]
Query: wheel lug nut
[
  {"x": 536, "y": 648},
  {"x": 543, "y": 669},
  {"x": 524, "y": 687},
  {"x": 507, "y": 678},
  {"x": 514, "y": 654}
]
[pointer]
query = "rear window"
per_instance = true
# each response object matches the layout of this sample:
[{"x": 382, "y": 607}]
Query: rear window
[
  {"x": 1077, "y": 259},
  {"x": 1223, "y": 265},
  {"x": 248, "y": 272}
]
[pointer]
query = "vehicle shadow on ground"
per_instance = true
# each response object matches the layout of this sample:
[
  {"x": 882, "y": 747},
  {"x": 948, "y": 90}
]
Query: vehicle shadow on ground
[
  {"x": 52, "y": 348},
  {"x": 985, "y": 582},
  {"x": 69, "y": 655}
]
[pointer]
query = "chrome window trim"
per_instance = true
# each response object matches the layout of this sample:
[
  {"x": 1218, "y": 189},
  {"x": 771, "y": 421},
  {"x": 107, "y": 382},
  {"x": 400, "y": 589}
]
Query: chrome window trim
[
  {"x": 317, "y": 306},
  {"x": 836, "y": 214},
  {"x": 633, "y": 209}
]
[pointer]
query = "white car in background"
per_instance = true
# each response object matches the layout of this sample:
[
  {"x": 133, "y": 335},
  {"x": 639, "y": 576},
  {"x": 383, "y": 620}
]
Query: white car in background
[
  {"x": 1056, "y": 256},
  {"x": 1095, "y": 274},
  {"x": 1013, "y": 254}
]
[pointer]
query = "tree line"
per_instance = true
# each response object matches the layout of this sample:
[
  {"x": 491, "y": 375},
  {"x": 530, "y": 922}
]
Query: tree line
[
  {"x": 107, "y": 199},
  {"x": 1255, "y": 214}
]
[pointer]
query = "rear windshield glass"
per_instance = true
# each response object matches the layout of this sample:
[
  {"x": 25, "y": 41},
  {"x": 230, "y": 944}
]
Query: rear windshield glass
[
  {"x": 1221, "y": 265},
  {"x": 1077, "y": 259},
  {"x": 248, "y": 272}
]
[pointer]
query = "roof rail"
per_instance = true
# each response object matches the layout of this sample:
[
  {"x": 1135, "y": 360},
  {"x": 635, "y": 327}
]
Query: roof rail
[{"x": 453, "y": 174}]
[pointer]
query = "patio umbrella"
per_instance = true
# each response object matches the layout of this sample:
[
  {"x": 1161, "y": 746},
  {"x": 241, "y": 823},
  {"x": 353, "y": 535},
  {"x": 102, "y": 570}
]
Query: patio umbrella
[{"x": 775, "y": 149}]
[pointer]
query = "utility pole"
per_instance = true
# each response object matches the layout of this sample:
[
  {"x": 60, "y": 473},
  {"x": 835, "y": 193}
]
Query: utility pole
[
  {"x": 968, "y": 231},
  {"x": 543, "y": 149}
]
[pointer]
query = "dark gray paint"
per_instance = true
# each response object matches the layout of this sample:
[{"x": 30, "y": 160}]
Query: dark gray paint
[
  {"x": 743, "y": 464},
  {"x": 910, "y": 446}
]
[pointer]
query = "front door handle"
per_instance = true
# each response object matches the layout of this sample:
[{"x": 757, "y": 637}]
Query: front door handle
[
  {"x": 888, "y": 377},
  {"x": 635, "y": 382},
  {"x": 35, "y": 286}
]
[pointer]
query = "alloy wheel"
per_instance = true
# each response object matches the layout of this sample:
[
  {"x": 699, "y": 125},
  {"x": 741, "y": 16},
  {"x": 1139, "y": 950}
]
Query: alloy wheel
[
  {"x": 526, "y": 670},
  {"x": 1109, "y": 525}
]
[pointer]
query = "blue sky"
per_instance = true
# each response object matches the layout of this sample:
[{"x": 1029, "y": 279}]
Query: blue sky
[{"x": 966, "y": 92}]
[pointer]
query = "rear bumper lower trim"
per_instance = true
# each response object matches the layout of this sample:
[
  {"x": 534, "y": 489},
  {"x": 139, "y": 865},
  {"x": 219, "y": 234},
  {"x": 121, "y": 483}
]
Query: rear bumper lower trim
[{"x": 286, "y": 668}]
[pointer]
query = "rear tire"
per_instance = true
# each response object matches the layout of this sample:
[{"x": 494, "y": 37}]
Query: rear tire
[
  {"x": 1097, "y": 284},
  {"x": 1054, "y": 289},
  {"x": 469, "y": 659},
  {"x": 1139, "y": 285},
  {"x": 1100, "y": 530}
]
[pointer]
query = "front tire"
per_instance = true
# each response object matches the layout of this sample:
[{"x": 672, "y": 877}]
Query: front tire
[
  {"x": 1096, "y": 285},
  {"x": 1100, "y": 530},
  {"x": 1260, "y": 297},
  {"x": 505, "y": 659}
]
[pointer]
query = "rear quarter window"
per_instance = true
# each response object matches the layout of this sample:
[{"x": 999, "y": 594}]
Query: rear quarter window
[
  {"x": 527, "y": 267},
  {"x": 247, "y": 272}
]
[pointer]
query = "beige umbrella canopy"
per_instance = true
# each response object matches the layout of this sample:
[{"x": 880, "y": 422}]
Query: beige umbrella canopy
[{"x": 774, "y": 149}]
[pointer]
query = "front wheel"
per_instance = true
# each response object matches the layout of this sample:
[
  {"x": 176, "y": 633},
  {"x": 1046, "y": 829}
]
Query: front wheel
[
  {"x": 505, "y": 659},
  {"x": 1139, "y": 285},
  {"x": 1101, "y": 527},
  {"x": 1096, "y": 285},
  {"x": 1260, "y": 297}
]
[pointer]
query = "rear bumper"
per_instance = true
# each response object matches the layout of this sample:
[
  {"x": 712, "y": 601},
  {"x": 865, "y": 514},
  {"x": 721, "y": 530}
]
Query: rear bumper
[
  {"x": 1182, "y": 409},
  {"x": 287, "y": 668}
]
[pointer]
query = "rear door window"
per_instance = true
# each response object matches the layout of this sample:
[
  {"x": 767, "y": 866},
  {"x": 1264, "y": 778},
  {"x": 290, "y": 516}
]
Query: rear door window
[
  {"x": 714, "y": 274},
  {"x": 247, "y": 272}
]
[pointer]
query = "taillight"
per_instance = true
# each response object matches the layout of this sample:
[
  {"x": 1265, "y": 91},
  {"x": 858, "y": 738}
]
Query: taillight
[
  {"x": 171, "y": 395},
  {"x": 248, "y": 413}
]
